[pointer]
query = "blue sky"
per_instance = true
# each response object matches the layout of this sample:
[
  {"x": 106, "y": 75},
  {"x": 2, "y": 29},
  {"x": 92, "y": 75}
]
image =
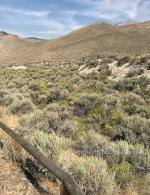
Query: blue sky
[{"x": 53, "y": 18}]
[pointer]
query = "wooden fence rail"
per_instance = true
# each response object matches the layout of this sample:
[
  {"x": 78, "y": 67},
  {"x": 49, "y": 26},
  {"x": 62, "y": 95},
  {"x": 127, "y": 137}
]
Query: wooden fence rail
[{"x": 70, "y": 186}]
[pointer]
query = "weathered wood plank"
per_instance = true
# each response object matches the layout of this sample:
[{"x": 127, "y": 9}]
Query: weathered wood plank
[{"x": 70, "y": 185}]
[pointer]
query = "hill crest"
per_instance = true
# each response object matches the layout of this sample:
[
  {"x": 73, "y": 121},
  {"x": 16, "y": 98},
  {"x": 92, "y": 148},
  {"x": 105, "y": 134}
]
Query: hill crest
[
  {"x": 127, "y": 22},
  {"x": 94, "y": 39}
]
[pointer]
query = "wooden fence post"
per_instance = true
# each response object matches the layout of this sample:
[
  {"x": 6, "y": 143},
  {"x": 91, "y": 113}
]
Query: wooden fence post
[{"x": 70, "y": 186}]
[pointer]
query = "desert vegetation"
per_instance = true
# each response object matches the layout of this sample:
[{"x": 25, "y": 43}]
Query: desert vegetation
[{"x": 96, "y": 128}]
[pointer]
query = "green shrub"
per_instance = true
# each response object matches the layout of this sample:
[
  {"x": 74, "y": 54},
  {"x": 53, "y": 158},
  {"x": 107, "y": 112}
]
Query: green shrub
[
  {"x": 57, "y": 94},
  {"x": 21, "y": 106},
  {"x": 68, "y": 128},
  {"x": 107, "y": 61},
  {"x": 42, "y": 99},
  {"x": 114, "y": 153},
  {"x": 111, "y": 99},
  {"x": 84, "y": 103},
  {"x": 42, "y": 120},
  {"x": 90, "y": 144},
  {"x": 144, "y": 81},
  {"x": 134, "y": 128},
  {"x": 34, "y": 86},
  {"x": 133, "y": 83},
  {"x": 122, "y": 60},
  {"x": 123, "y": 172},
  {"x": 132, "y": 98},
  {"x": 5, "y": 98},
  {"x": 61, "y": 110},
  {"x": 50, "y": 144},
  {"x": 92, "y": 174},
  {"x": 102, "y": 75},
  {"x": 135, "y": 104},
  {"x": 92, "y": 63}
]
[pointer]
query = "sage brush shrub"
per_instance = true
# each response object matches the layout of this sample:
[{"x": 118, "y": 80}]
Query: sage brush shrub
[
  {"x": 68, "y": 128},
  {"x": 132, "y": 98},
  {"x": 112, "y": 99},
  {"x": 141, "y": 163},
  {"x": 127, "y": 84},
  {"x": 144, "y": 81},
  {"x": 21, "y": 106},
  {"x": 7, "y": 96},
  {"x": 74, "y": 79},
  {"x": 61, "y": 110},
  {"x": 135, "y": 129},
  {"x": 122, "y": 60},
  {"x": 42, "y": 99},
  {"x": 34, "y": 86},
  {"x": 92, "y": 174},
  {"x": 57, "y": 94},
  {"x": 124, "y": 175},
  {"x": 123, "y": 158},
  {"x": 133, "y": 83},
  {"x": 131, "y": 73},
  {"x": 42, "y": 120},
  {"x": 90, "y": 144},
  {"x": 114, "y": 152},
  {"x": 94, "y": 127},
  {"x": 50, "y": 144},
  {"x": 135, "y": 104},
  {"x": 2, "y": 94},
  {"x": 84, "y": 103}
]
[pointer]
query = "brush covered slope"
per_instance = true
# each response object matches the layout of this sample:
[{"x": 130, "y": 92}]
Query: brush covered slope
[
  {"x": 91, "y": 117},
  {"x": 92, "y": 40}
]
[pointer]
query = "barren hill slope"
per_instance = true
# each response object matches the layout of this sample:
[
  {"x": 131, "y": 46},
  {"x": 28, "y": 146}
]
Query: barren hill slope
[
  {"x": 142, "y": 29},
  {"x": 13, "y": 47},
  {"x": 94, "y": 39}
]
